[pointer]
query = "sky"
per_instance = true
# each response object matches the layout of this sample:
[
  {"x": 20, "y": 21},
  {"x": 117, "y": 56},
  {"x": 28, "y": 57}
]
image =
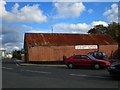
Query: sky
[{"x": 18, "y": 18}]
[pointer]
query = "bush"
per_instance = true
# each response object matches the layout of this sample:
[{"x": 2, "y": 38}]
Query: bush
[{"x": 17, "y": 54}]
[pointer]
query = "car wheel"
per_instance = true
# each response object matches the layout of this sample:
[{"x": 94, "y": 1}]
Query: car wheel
[
  {"x": 96, "y": 66},
  {"x": 70, "y": 65}
]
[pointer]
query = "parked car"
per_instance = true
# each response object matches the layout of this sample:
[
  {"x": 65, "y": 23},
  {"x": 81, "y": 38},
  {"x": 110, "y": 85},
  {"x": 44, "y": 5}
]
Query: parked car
[
  {"x": 114, "y": 70},
  {"x": 98, "y": 55},
  {"x": 86, "y": 61}
]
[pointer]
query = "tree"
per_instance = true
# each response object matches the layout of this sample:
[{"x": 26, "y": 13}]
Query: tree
[
  {"x": 112, "y": 29},
  {"x": 14, "y": 54},
  {"x": 17, "y": 53},
  {"x": 98, "y": 29}
]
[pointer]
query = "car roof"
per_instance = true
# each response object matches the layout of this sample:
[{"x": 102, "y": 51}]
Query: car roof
[{"x": 79, "y": 55}]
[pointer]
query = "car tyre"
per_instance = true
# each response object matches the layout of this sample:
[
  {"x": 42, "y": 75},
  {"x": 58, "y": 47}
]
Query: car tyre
[
  {"x": 97, "y": 66},
  {"x": 70, "y": 65}
]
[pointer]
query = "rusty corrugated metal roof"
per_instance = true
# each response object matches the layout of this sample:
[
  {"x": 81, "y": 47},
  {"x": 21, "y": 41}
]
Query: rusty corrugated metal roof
[{"x": 68, "y": 39}]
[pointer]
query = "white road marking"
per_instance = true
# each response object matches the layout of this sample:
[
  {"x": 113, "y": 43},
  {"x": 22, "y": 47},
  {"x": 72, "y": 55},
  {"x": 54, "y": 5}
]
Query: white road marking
[
  {"x": 29, "y": 70},
  {"x": 7, "y": 68},
  {"x": 82, "y": 75},
  {"x": 36, "y": 71},
  {"x": 16, "y": 63}
]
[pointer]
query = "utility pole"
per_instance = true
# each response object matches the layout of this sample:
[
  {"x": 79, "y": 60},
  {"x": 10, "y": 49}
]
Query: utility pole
[{"x": 52, "y": 29}]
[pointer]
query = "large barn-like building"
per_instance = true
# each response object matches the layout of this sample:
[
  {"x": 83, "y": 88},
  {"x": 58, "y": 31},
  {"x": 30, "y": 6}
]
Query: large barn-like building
[{"x": 53, "y": 46}]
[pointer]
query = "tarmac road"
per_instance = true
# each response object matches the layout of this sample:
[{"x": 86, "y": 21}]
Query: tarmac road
[{"x": 15, "y": 75}]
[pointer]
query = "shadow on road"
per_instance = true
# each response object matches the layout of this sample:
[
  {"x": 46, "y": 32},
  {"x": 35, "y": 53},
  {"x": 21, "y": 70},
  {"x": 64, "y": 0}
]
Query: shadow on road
[{"x": 10, "y": 61}]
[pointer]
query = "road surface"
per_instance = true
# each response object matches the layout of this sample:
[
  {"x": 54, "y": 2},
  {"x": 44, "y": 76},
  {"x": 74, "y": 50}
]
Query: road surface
[{"x": 15, "y": 75}]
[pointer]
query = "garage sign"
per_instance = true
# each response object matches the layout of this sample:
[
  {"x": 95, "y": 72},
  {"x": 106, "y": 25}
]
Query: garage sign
[{"x": 86, "y": 47}]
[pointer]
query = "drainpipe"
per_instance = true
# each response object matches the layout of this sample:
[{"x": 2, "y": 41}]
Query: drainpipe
[{"x": 98, "y": 48}]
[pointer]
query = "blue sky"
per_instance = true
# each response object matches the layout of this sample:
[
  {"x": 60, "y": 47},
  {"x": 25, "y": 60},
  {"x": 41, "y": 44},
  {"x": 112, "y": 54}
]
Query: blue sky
[{"x": 19, "y": 18}]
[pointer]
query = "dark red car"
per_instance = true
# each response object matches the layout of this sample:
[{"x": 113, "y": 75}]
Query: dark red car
[{"x": 86, "y": 61}]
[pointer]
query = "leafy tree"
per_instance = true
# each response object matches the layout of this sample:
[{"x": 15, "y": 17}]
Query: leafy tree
[
  {"x": 98, "y": 29},
  {"x": 14, "y": 54},
  {"x": 17, "y": 53},
  {"x": 112, "y": 29}
]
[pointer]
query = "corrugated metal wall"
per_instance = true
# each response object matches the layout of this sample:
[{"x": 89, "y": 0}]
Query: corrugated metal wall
[
  {"x": 53, "y": 53},
  {"x": 56, "y": 53}
]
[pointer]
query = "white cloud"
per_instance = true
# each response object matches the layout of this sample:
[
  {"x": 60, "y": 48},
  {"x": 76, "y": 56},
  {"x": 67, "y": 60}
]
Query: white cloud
[
  {"x": 38, "y": 31},
  {"x": 94, "y": 23},
  {"x": 90, "y": 11},
  {"x": 77, "y": 28},
  {"x": 12, "y": 35},
  {"x": 68, "y": 9},
  {"x": 72, "y": 28},
  {"x": 83, "y": 1},
  {"x": 2, "y": 8},
  {"x": 112, "y": 13},
  {"x": 25, "y": 14},
  {"x": 9, "y": 47},
  {"x": 15, "y": 48}
]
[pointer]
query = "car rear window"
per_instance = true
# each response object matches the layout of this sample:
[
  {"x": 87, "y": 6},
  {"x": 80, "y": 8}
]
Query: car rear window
[
  {"x": 84, "y": 57},
  {"x": 77, "y": 57},
  {"x": 91, "y": 57},
  {"x": 81, "y": 57}
]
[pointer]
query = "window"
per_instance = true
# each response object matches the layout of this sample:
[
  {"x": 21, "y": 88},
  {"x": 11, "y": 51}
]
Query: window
[
  {"x": 77, "y": 57},
  {"x": 81, "y": 57},
  {"x": 91, "y": 57},
  {"x": 84, "y": 57}
]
